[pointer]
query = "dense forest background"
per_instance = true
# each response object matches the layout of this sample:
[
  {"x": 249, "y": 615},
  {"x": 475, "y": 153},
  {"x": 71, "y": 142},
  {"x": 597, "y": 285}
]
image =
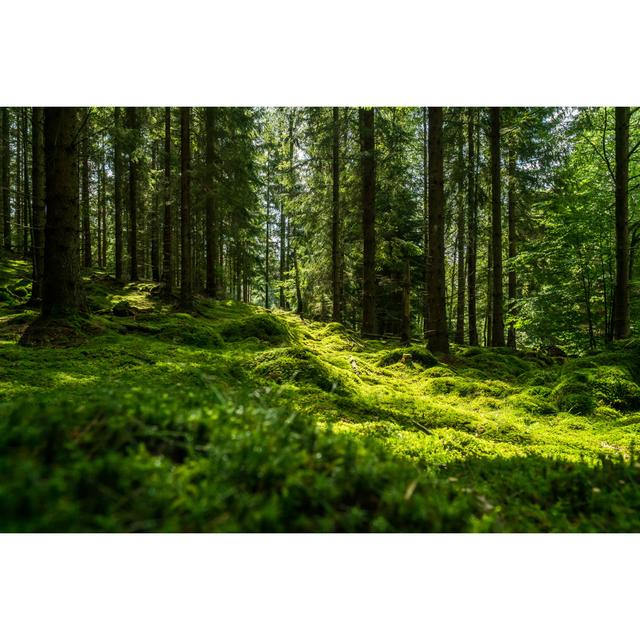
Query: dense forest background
[{"x": 487, "y": 226}]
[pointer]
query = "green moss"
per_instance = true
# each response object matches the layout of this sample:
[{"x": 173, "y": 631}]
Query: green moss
[
  {"x": 409, "y": 356},
  {"x": 574, "y": 396},
  {"x": 263, "y": 326}
]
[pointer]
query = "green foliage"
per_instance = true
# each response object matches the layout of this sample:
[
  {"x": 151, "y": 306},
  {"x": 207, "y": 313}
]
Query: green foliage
[{"x": 262, "y": 326}]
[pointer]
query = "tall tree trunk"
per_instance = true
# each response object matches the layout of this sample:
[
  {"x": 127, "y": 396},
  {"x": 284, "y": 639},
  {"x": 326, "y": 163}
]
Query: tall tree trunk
[
  {"x": 473, "y": 231},
  {"x": 6, "y": 186},
  {"x": 37, "y": 178},
  {"x": 368, "y": 165},
  {"x": 167, "y": 262},
  {"x": 132, "y": 125},
  {"x": 86, "y": 222},
  {"x": 186, "y": 283},
  {"x": 117, "y": 191},
  {"x": 511, "y": 212},
  {"x": 103, "y": 211},
  {"x": 211, "y": 225},
  {"x": 62, "y": 293},
  {"x": 19, "y": 201},
  {"x": 459, "y": 334},
  {"x": 425, "y": 227},
  {"x": 296, "y": 273},
  {"x": 155, "y": 220},
  {"x": 621, "y": 312},
  {"x": 405, "y": 331},
  {"x": 283, "y": 249},
  {"x": 438, "y": 338},
  {"x": 497, "y": 298},
  {"x": 27, "y": 223},
  {"x": 267, "y": 239},
  {"x": 336, "y": 279}
]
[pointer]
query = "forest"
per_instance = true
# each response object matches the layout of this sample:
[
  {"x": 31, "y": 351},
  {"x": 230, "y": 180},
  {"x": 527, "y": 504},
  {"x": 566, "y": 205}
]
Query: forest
[{"x": 319, "y": 319}]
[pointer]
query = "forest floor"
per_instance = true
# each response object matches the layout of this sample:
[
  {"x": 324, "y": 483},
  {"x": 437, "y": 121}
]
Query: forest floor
[{"x": 237, "y": 419}]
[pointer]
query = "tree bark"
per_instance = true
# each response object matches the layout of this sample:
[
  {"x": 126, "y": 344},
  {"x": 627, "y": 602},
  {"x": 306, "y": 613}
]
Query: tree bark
[
  {"x": 405, "y": 332},
  {"x": 497, "y": 301},
  {"x": 210, "y": 225},
  {"x": 512, "y": 280},
  {"x": 438, "y": 338},
  {"x": 368, "y": 167},
  {"x": 86, "y": 221},
  {"x": 425, "y": 224},
  {"x": 473, "y": 231},
  {"x": 186, "y": 281},
  {"x": 167, "y": 262},
  {"x": 132, "y": 125},
  {"x": 62, "y": 287},
  {"x": 621, "y": 309},
  {"x": 459, "y": 335},
  {"x": 37, "y": 178},
  {"x": 336, "y": 278},
  {"x": 117, "y": 192},
  {"x": 155, "y": 220}
]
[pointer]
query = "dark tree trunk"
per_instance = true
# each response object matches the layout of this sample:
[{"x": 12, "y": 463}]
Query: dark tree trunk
[
  {"x": 132, "y": 125},
  {"x": 459, "y": 335},
  {"x": 425, "y": 223},
  {"x": 405, "y": 332},
  {"x": 296, "y": 272},
  {"x": 27, "y": 222},
  {"x": 6, "y": 180},
  {"x": 368, "y": 162},
  {"x": 497, "y": 301},
  {"x": 62, "y": 287},
  {"x": 211, "y": 223},
  {"x": 283, "y": 249},
  {"x": 167, "y": 271},
  {"x": 18, "y": 199},
  {"x": 37, "y": 178},
  {"x": 267, "y": 239},
  {"x": 621, "y": 312},
  {"x": 186, "y": 281},
  {"x": 155, "y": 221},
  {"x": 86, "y": 222},
  {"x": 336, "y": 276},
  {"x": 438, "y": 338},
  {"x": 117, "y": 192},
  {"x": 511, "y": 213},
  {"x": 473, "y": 232}
]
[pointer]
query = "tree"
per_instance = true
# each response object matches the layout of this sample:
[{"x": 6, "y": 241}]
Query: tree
[
  {"x": 511, "y": 214},
  {"x": 167, "y": 263},
  {"x": 336, "y": 272},
  {"x": 132, "y": 125},
  {"x": 6, "y": 186},
  {"x": 38, "y": 195},
  {"x": 368, "y": 167},
  {"x": 621, "y": 309},
  {"x": 62, "y": 294},
  {"x": 117, "y": 195},
  {"x": 473, "y": 230},
  {"x": 438, "y": 339},
  {"x": 497, "y": 317},
  {"x": 460, "y": 238},
  {"x": 86, "y": 221},
  {"x": 211, "y": 222},
  {"x": 186, "y": 269}
]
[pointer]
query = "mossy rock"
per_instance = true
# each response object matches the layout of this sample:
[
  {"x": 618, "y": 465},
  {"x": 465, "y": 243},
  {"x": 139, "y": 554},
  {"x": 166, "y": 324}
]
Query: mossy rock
[
  {"x": 296, "y": 364},
  {"x": 260, "y": 325},
  {"x": 123, "y": 309},
  {"x": 202, "y": 337},
  {"x": 410, "y": 355},
  {"x": 574, "y": 396}
]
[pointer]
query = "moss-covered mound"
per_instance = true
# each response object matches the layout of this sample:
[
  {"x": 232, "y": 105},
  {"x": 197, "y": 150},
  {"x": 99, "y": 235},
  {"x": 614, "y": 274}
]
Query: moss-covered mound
[
  {"x": 263, "y": 326},
  {"x": 409, "y": 356}
]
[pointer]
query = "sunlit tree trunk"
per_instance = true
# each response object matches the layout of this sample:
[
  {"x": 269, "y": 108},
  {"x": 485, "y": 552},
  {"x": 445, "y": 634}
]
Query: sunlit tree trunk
[
  {"x": 497, "y": 301},
  {"x": 368, "y": 166},
  {"x": 511, "y": 213}
]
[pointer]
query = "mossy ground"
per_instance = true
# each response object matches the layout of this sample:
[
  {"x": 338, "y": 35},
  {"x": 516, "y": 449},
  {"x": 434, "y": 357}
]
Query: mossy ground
[{"x": 237, "y": 419}]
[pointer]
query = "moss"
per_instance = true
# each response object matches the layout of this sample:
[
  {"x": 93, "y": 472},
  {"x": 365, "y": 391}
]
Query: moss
[
  {"x": 296, "y": 365},
  {"x": 574, "y": 396},
  {"x": 260, "y": 325},
  {"x": 409, "y": 356}
]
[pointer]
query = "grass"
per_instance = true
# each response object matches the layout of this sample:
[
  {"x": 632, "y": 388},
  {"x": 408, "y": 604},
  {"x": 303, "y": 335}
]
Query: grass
[{"x": 237, "y": 419}]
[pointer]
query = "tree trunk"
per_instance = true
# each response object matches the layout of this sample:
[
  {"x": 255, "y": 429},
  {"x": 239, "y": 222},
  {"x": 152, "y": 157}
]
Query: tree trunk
[
  {"x": 211, "y": 226},
  {"x": 425, "y": 225},
  {"x": 512, "y": 284},
  {"x": 336, "y": 279},
  {"x": 186, "y": 282},
  {"x": 283, "y": 244},
  {"x": 497, "y": 317},
  {"x": 621, "y": 312},
  {"x": 405, "y": 332},
  {"x": 267, "y": 238},
  {"x": 132, "y": 125},
  {"x": 459, "y": 335},
  {"x": 368, "y": 164},
  {"x": 438, "y": 338},
  {"x": 6, "y": 207},
  {"x": 117, "y": 192},
  {"x": 27, "y": 226},
  {"x": 167, "y": 271},
  {"x": 155, "y": 221},
  {"x": 473, "y": 231},
  {"x": 37, "y": 178},
  {"x": 62, "y": 287},
  {"x": 86, "y": 222}
]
